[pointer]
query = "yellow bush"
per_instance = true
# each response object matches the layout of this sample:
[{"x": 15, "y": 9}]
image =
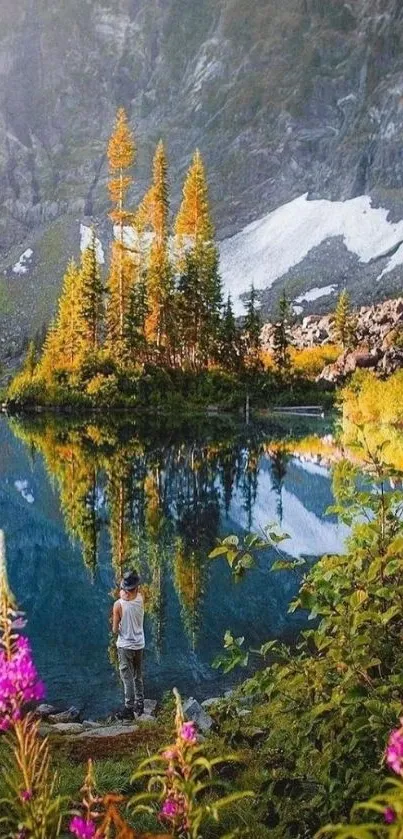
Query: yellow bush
[
  {"x": 373, "y": 416},
  {"x": 310, "y": 361}
]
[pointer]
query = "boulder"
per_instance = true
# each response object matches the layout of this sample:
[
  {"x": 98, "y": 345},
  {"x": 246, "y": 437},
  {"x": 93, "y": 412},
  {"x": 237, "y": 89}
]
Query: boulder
[
  {"x": 116, "y": 730},
  {"x": 194, "y": 712},
  {"x": 146, "y": 718},
  {"x": 44, "y": 711},
  {"x": 150, "y": 706},
  {"x": 208, "y": 703},
  {"x": 72, "y": 715},
  {"x": 67, "y": 728}
]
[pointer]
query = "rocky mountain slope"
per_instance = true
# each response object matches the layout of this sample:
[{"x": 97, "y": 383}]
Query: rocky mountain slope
[{"x": 283, "y": 98}]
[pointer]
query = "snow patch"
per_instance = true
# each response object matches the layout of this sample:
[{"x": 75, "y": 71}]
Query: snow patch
[
  {"x": 23, "y": 488},
  {"x": 269, "y": 247},
  {"x": 315, "y": 293},
  {"x": 85, "y": 241},
  {"x": 21, "y": 266}
]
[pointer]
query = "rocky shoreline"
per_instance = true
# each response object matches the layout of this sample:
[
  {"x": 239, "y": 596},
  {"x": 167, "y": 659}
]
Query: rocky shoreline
[{"x": 71, "y": 724}]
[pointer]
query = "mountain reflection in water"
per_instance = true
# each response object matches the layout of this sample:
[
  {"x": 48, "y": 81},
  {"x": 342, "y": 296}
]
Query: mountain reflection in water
[{"x": 81, "y": 500}]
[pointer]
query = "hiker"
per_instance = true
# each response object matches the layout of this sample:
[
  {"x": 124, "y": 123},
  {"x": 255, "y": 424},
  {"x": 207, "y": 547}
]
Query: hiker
[{"x": 128, "y": 618}]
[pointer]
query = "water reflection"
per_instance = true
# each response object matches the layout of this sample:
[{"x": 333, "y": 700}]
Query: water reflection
[{"x": 115, "y": 495}]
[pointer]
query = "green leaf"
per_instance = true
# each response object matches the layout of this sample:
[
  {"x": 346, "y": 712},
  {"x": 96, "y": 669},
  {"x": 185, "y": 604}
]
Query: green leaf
[
  {"x": 231, "y": 540},
  {"x": 358, "y": 598},
  {"x": 222, "y": 549}
]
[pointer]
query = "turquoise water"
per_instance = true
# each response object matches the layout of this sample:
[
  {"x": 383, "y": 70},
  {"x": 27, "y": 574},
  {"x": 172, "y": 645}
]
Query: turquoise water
[{"x": 80, "y": 501}]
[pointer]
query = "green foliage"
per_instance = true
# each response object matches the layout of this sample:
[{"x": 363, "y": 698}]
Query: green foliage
[
  {"x": 326, "y": 707},
  {"x": 251, "y": 331},
  {"x": 178, "y": 780}
]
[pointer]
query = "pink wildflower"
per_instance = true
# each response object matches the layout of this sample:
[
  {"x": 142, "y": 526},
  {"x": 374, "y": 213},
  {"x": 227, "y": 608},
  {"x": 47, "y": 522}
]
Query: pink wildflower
[
  {"x": 169, "y": 809},
  {"x": 389, "y": 815},
  {"x": 18, "y": 683},
  {"x": 81, "y": 828},
  {"x": 26, "y": 794},
  {"x": 394, "y": 751},
  {"x": 189, "y": 733}
]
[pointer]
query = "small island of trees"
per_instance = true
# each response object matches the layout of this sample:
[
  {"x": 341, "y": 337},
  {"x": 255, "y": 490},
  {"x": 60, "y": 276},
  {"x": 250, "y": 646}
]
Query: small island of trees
[{"x": 157, "y": 324}]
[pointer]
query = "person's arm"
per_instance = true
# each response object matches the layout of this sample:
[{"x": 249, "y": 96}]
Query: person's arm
[{"x": 116, "y": 617}]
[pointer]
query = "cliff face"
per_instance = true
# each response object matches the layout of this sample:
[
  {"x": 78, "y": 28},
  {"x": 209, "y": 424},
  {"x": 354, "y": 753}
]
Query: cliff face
[{"x": 283, "y": 97}]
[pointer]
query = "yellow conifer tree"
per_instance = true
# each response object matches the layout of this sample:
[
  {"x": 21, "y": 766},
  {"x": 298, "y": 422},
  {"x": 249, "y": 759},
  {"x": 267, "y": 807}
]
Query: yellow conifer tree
[{"x": 121, "y": 156}]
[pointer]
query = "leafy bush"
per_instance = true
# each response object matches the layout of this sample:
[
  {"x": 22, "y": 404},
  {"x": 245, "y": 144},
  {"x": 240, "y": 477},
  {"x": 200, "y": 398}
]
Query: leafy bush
[{"x": 324, "y": 709}]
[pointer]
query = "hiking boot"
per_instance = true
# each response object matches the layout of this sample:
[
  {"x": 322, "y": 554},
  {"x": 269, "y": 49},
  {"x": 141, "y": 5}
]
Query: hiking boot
[{"x": 125, "y": 714}]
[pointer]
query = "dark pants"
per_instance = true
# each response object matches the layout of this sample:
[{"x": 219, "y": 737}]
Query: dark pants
[{"x": 131, "y": 673}]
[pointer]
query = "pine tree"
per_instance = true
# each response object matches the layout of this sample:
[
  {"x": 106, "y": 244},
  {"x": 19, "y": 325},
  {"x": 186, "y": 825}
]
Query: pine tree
[
  {"x": 121, "y": 155},
  {"x": 199, "y": 285},
  {"x": 64, "y": 343},
  {"x": 135, "y": 323},
  {"x": 282, "y": 336},
  {"x": 251, "y": 329},
  {"x": 230, "y": 355},
  {"x": 344, "y": 323},
  {"x": 155, "y": 209},
  {"x": 91, "y": 297},
  {"x": 30, "y": 360},
  {"x": 122, "y": 277},
  {"x": 193, "y": 220}
]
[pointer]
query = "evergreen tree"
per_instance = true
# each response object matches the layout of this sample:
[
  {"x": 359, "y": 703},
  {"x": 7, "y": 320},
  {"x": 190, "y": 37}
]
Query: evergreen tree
[
  {"x": 64, "y": 344},
  {"x": 230, "y": 355},
  {"x": 155, "y": 210},
  {"x": 121, "y": 155},
  {"x": 135, "y": 323},
  {"x": 344, "y": 323},
  {"x": 193, "y": 220},
  {"x": 252, "y": 328},
  {"x": 199, "y": 285},
  {"x": 91, "y": 297},
  {"x": 30, "y": 360},
  {"x": 281, "y": 336}
]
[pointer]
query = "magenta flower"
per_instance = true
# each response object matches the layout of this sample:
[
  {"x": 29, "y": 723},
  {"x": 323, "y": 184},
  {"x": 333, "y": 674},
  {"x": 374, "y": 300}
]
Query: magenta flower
[
  {"x": 389, "y": 815},
  {"x": 26, "y": 794},
  {"x": 188, "y": 732},
  {"x": 19, "y": 683},
  {"x": 394, "y": 751},
  {"x": 81, "y": 828},
  {"x": 169, "y": 809}
]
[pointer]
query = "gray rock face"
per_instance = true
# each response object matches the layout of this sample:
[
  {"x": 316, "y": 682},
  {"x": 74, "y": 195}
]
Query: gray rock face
[{"x": 282, "y": 98}]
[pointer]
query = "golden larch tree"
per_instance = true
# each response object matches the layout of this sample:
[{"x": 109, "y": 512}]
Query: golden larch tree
[{"x": 121, "y": 156}]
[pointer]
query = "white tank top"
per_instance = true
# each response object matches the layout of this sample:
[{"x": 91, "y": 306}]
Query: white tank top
[{"x": 131, "y": 631}]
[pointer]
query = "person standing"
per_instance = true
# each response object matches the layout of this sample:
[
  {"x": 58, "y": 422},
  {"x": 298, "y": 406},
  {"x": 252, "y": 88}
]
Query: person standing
[{"x": 128, "y": 625}]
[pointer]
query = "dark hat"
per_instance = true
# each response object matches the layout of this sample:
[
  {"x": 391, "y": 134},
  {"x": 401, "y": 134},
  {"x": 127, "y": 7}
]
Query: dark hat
[{"x": 130, "y": 581}]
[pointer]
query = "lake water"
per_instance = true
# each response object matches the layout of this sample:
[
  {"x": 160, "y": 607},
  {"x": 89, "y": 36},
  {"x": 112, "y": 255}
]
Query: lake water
[{"x": 79, "y": 501}]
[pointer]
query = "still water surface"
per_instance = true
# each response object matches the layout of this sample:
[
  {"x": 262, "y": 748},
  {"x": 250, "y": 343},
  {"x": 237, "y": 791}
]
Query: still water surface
[{"x": 79, "y": 501}]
